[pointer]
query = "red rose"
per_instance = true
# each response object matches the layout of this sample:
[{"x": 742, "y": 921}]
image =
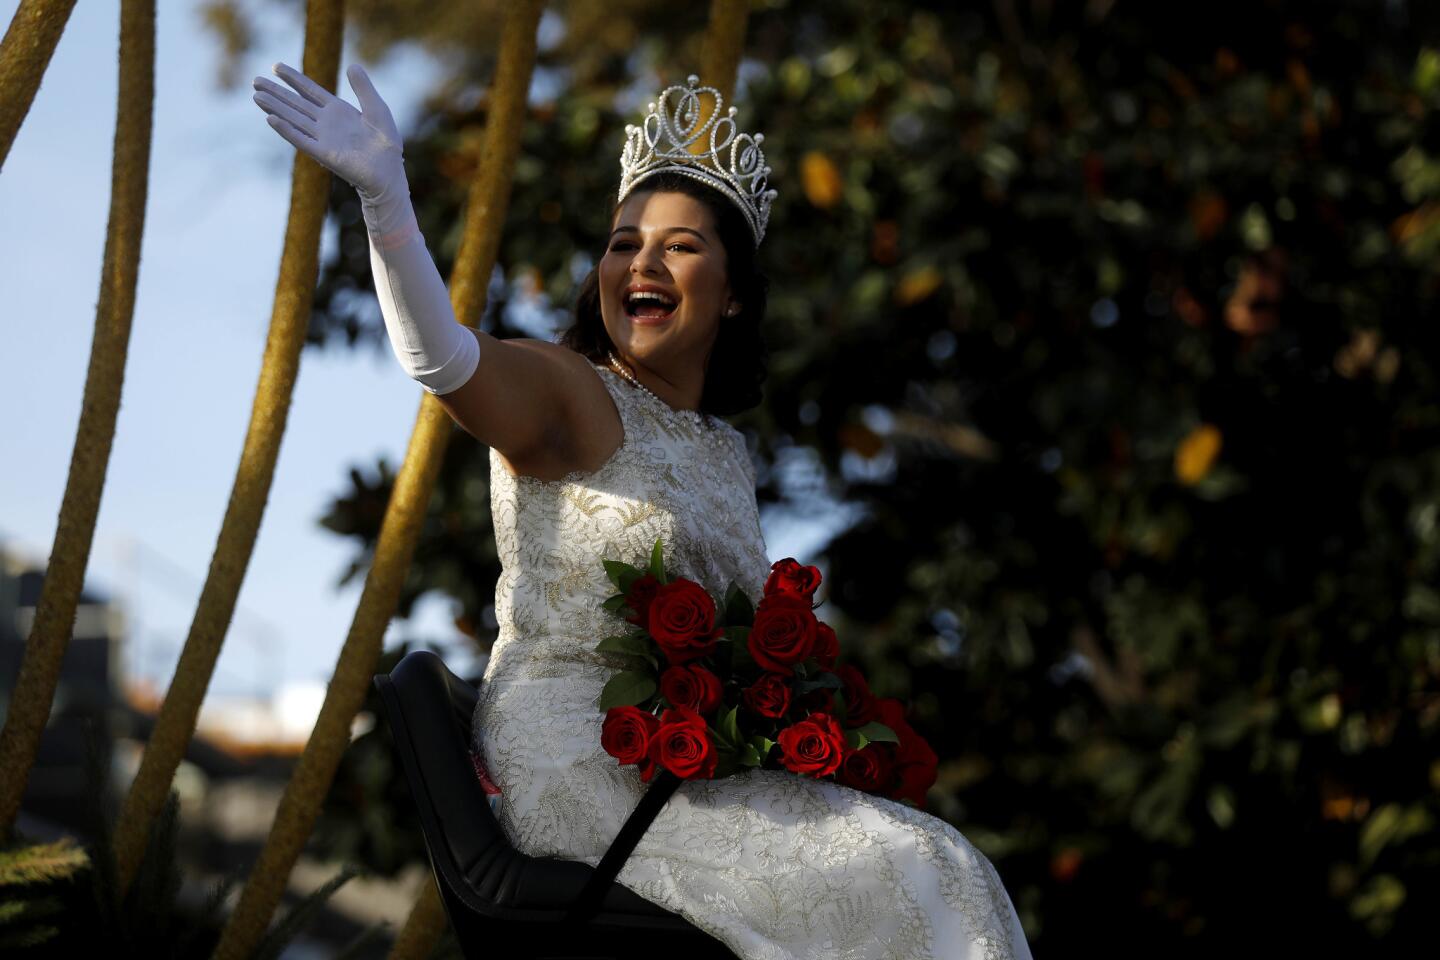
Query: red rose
[
  {"x": 769, "y": 696},
  {"x": 815, "y": 746},
  {"x": 827, "y": 645},
  {"x": 915, "y": 762},
  {"x": 783, "y": 633},
  {"x": 870, "y": 768},
  {"x": 891, "y": 712},
  {"x": 859, "y": 701},
  {"x": 683, "y": 746},
  {"x": 682, "y": 620},
  {"x": 918, "y": 765},
  {"x": 789, "y": 577},
  {"x": 691, "y": 686},
  {"x": 626, "y": 736},
  {"x": 642, "y": 591}
]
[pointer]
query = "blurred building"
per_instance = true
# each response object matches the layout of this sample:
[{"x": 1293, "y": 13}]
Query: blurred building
[
  {"x": 87, "y": 695},
  {"x": 229, "y": 782}
]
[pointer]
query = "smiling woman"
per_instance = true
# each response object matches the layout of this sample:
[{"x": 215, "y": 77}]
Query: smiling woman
[
  {"x": 676, "y": 298},
  {"x": 683, "y": 240},
  {"x": 602, "y": 447},
  {"x": 679, "y": 275}
]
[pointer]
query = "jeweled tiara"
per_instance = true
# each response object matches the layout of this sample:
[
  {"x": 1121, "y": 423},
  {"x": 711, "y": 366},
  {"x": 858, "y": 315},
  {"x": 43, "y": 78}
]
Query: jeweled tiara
[{"x": 741, "y": 177}]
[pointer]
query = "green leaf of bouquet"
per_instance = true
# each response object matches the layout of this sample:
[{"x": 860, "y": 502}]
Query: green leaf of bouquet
[
  {"x": 739, "y": 638},
  {"x": 627, "y": 688},
  {"x": 614, "y": 603},
  {"x": 630, "y": 644},
  {"x": 725, "y": 601},
  {"x": 657, "y": 561},
  {"x": 815, "y": 683},
  {"x": 874, "y": 730},
  {"x": 739, "y": 611},
  {"x": 761, "y": 745},
  {"x": 636, "y": 643},
  {"x": 620, "y": 573},
  {"x": 749, "y": 756},
  {"x": 730, "y": 726},
  {"x": 855, "y": 740}
]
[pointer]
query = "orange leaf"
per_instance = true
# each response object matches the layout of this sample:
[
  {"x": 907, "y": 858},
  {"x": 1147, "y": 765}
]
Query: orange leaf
[
  {"x": 1196, "y": 453},
  {"x": 820, "y": 179},
  {"x": 917, "y": 285}
]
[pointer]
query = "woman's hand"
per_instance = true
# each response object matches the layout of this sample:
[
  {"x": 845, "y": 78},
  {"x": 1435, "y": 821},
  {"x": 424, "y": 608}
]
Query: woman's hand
[{"x": 362, "y": 146}]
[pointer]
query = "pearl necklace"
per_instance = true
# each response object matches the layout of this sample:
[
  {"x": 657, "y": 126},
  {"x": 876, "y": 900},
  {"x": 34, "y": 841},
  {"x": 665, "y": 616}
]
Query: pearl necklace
[{"x": 694, "y": 415}]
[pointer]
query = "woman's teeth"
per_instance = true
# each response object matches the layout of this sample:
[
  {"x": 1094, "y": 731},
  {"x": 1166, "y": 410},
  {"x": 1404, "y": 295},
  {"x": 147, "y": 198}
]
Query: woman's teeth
[{"x": 650, "y": 306}]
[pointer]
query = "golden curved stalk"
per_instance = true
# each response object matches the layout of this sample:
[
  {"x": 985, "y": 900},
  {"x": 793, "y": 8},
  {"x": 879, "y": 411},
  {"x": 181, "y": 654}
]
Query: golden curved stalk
[
  {"x": 722, "y": 46},
  {"x": 34, "y": 688},
  {"x": 724, "y": 42},
  {"x": 289, "y": 320},
  {"x": 400, "y": 530},
  {"x": 25, "y": 54},
  {"x": 423, "y": 927}
]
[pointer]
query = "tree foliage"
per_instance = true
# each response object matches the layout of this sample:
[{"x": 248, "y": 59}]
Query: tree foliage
[{"x": 1116, "y": 323}]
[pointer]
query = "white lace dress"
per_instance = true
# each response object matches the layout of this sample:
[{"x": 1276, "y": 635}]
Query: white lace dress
[{"x": 776, "y": 866}]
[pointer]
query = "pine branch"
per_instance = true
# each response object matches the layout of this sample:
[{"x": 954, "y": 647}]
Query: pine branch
[
  {"x": 447, "y": 947},
  {"x": 150, "y": 901},
  {"x": 301, "y": 914},
  {"x": 109, "y": 918},
  {"x": 42, "y": 862},
  {"x": 29, "y": 937},
  {"x": 210, "y": 919},
  {"x": 13, "y": 911},
  {"x": 359, "y": 946},
  {"x": 18, "y": 921}
]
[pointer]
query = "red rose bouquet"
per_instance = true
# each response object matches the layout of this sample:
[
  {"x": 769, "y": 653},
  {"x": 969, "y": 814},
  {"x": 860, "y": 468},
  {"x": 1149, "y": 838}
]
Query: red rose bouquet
[{"x": 716, "y": 688}]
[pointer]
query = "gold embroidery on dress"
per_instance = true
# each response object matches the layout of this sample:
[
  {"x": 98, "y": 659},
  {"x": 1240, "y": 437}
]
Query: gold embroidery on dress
[
  {"x": 586, "y": 501},
  {"x": 638, "y": 512},
  {"x": 556, "y": 591}
]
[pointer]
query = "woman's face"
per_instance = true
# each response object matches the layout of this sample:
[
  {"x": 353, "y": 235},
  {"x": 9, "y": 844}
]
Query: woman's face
[{"x": 665, "y": 241}]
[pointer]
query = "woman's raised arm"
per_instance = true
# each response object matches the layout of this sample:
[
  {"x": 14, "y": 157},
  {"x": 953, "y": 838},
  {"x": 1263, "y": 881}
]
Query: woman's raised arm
[{"x": 508, "y": 395}]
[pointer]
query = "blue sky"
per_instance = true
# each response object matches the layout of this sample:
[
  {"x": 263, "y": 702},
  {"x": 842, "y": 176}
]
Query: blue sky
[{"x": 215, "y": 216}]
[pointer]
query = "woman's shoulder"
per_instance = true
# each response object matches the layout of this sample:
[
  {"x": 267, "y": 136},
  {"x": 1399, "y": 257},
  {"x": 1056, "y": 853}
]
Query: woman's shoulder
[
  {"x": 741, "y": 448},
  {"x": 730, "y": 430},
  {"x": 589, "y": 380}
]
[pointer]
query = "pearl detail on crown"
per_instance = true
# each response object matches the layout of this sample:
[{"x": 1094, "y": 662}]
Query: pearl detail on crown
[{"x": 742, "y": 177}]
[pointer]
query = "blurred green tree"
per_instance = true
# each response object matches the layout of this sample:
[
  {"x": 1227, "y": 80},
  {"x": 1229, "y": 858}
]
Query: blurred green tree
[{"x": 1115, "y": 326}]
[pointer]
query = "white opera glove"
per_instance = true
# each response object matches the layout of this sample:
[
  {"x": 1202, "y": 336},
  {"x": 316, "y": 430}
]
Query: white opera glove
[{"x": 366, "y": 150}]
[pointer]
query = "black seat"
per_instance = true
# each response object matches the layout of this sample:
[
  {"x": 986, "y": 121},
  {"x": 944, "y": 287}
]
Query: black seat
[{"x": 500, "y": 901}]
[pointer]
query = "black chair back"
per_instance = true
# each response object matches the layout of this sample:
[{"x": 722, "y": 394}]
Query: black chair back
[{"x": 500, "y": 901}]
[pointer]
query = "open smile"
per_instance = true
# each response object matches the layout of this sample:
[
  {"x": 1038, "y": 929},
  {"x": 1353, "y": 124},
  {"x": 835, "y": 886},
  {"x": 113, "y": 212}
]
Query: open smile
[{"x": 649, "y": 306}]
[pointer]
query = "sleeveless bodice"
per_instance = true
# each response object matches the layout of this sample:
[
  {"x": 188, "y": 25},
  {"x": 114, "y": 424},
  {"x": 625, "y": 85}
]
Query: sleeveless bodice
[
  {"x": 671, "y": 478},
  {"x": 777, "y": 866}
]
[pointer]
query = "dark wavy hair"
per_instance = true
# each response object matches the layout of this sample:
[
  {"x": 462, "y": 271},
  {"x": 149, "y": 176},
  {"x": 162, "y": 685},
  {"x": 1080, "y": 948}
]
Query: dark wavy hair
[{"x": 739, "y": 360}]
